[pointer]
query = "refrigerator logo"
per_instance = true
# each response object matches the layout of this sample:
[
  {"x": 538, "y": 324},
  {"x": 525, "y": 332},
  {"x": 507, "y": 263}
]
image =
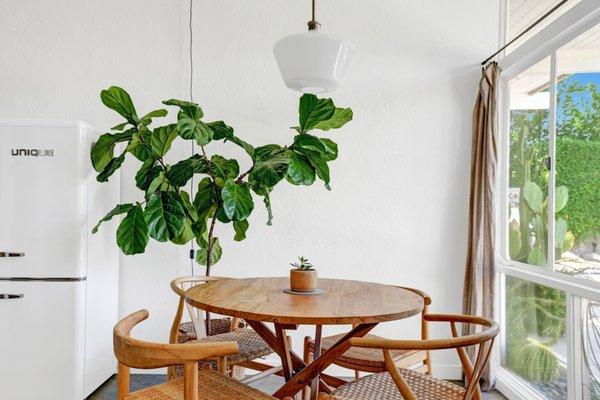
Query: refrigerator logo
[{"x": 32, "y": 153}]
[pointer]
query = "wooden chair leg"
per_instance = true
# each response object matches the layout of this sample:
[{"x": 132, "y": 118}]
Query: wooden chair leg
[
  {"x": 306, "y": 357},
  {"x": 222, "y": 365},
  {"x": 190, "y": 381},
  {"x": 356, "y": 374},
  {"x": 122, "y": 381}
]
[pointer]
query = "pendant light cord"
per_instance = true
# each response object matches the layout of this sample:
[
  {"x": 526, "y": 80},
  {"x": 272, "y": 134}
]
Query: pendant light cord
[
  {"x": 313, "y": 25},
  {"x": 191, "y": 53}
]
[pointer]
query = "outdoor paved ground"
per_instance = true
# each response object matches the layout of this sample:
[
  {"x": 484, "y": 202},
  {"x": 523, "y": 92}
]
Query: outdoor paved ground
[{"x": 269, "y": 385}]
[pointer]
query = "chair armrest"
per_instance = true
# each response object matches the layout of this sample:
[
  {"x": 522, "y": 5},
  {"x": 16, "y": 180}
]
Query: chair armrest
[
  {"x": 425, "y": 296},
  {"x": 146, "y": 355}
]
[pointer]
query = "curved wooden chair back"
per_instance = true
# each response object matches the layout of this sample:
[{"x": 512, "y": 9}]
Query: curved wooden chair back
[
  {"x": 134, "y": 353},
  {"x": 179, "y": 286},
  {"x": 424, "y": 326},
  {"x": 482, "y": 340}
]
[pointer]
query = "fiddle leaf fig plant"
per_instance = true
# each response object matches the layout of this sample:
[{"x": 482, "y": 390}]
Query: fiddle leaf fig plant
[{"x": 224, "y": 194}]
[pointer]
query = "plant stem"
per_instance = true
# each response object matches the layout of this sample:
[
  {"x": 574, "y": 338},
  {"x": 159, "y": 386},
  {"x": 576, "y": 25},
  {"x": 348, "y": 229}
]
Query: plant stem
[
  {"x": 210, "y": 170},
  {"x": 242, "y": 176},
  {"x": 209, "y": 261},
  {"x": 210, "y": 241}
]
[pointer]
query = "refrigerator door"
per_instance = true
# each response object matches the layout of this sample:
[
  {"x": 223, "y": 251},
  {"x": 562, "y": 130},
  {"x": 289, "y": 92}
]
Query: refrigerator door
[
  {"x": 43, "y": 223},
  {"x": 42, "y": 328}
]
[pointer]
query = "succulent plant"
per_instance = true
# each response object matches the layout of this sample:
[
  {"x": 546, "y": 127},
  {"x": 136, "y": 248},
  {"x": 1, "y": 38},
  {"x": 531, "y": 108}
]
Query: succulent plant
[{"x": 303, "y": 265}]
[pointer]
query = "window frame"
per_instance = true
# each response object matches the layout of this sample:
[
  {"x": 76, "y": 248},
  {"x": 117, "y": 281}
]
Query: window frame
[{"x": 545, "y": 43}]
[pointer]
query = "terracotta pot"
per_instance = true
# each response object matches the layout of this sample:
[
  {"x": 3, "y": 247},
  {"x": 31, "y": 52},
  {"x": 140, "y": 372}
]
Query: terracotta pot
[{"x": 303, "y": 281}]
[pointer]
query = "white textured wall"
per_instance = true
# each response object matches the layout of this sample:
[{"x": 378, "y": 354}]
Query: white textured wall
[{"x": 398, "y": 210}]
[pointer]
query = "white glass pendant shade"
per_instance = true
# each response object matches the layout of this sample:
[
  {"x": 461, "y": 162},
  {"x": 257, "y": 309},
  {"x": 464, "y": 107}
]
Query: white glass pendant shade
[{"x": 313, "y": 62}]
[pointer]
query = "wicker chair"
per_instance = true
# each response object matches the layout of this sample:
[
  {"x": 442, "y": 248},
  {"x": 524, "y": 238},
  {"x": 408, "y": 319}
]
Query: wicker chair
[
  {"x": 251, "y": 345},
  {"x": 204, "y": 384},
  {"x": 406, "y": 384},
  {"x": 371, "y": 360}
]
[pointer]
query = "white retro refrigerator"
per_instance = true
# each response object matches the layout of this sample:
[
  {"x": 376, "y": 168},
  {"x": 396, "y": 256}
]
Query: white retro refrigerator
[{"x": 58, "y": 283}]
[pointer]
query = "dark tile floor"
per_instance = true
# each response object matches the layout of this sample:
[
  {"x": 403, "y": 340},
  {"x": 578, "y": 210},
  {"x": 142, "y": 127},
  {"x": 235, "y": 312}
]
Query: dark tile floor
[{"x": 269, "y": 385}]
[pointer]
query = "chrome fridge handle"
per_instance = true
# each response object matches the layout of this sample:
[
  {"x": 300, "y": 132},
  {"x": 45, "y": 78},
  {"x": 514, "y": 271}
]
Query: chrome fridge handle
[
  {"x": 8, "y": 296},
  {"x": 11, "y": 254}
]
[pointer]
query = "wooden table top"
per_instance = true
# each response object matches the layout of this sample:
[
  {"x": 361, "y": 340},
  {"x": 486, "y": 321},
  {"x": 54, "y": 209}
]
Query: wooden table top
[{"x": 344, "y": 301}]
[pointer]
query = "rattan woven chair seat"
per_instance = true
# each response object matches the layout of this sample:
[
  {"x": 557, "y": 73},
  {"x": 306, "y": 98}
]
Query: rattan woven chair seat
[
  {"x": 370, "y": 360},
  {"x": 212, "y": 385},
  {"x": 250, "y": 345},
  {"x": 187, "y": 331},
  {"x": 381, "y": 386}
]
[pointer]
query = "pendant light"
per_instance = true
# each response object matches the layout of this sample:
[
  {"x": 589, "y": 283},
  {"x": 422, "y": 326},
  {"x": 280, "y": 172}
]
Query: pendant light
[{"x": 314, "y": 61}]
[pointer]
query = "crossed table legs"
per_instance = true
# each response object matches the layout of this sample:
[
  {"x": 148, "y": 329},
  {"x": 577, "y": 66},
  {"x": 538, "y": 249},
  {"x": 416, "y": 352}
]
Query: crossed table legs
[{"x": 296, "y": 372}]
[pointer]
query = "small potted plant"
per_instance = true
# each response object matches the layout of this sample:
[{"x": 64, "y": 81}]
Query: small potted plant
[{"x": 303, "y": 277}]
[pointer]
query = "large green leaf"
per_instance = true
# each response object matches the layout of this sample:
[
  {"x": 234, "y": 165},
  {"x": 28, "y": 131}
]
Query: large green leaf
[
  {"x": 224, "y": 168},
  {"x": 331, "y": 149},
  {"x": 159, "y": 182},
  {"x": 188, "y": 108},
  {"x": 182, "y": 172},
  {"x": 190, "y": 128},
  {"x": 561, "y": 197},
  {"x": 189, "y": 207},
  {"x": 103, "y": 150},
  {"x": 222, "y": 131},
  {"x": 240, "y": 228},
  {"x": 320, "y": 165},
  {"x": 120, "y": 126},
  {"x": 202, "y": 253},
  {"x": 111, "y": 168},
  {"x": 146, "y": 174},
  {"x": 339, "y": 118},
  {"x": 313, "y": 110},
  {"x": 162, "y": 138},
  {"x": 206, "y": 195},
  {"x": 270, "y": 165},
  {"x": 139, "y": 145},
  {"x": 533, "y": 195},
  {"x": 300, "y": 171},
  {"x": 237, "y": 200},
  {"x": 309, "y": 142},
  {"x": 119, "y": 209},
  {"x": 222, "y": 217},
  {"x": 132, "y": 234},
  {"x": 164, "y": 215},
  {"x": 187, "y": 233},
  {"x": 147, "y": 119},
  {"x": 118, "y": 99}
]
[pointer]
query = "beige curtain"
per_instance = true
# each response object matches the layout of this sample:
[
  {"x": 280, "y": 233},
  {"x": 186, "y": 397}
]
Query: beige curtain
[{"x": 478, "y": 298}]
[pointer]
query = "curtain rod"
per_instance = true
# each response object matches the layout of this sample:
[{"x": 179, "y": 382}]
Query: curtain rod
[{"x": 530, "y": 27}]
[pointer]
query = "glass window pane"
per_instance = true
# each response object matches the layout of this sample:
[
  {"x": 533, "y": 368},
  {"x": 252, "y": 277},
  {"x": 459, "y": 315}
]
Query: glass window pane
[
  {"x": 528, "y": 171},
  {"x": 577, "y": 232},
  {"x": 535, "y": 336},
  {"x": 590, "y": 333}
]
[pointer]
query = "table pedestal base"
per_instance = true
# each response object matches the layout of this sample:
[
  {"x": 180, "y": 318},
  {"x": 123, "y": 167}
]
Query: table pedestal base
[{"x": 308, "y": 374}]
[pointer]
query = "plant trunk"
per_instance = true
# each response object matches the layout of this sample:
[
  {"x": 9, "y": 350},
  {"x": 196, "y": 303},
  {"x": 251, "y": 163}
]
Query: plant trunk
[{"x": 207, "y": 273}]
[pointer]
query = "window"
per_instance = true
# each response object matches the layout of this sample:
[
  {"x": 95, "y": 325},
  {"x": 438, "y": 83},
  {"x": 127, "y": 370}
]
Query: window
[
  {"x": 549, "y": 241},
  {"x": 536, "y": 346}
]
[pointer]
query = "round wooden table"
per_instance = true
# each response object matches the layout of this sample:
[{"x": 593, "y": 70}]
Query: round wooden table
[{"x": 260, "y": 300}]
